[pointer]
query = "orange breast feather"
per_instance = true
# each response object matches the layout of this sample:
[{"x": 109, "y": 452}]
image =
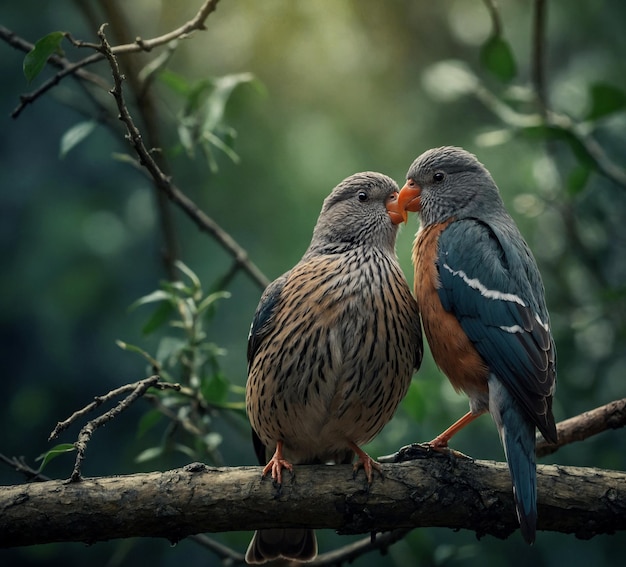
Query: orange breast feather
[{"x": 452, "y": 350}]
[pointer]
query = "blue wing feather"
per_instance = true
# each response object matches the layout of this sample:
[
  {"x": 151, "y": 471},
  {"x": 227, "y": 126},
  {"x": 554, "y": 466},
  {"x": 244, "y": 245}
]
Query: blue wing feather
[{"x": 492, "y": 285}]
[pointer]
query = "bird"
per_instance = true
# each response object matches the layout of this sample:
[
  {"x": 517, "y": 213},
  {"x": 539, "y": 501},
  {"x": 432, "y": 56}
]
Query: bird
[
  {"x": 482, "y": 304},
  {"x": 332, "y": 348}
]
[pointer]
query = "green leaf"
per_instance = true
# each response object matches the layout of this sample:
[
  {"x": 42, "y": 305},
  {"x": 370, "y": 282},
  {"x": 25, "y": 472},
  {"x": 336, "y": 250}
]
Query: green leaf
[
  {"x": 605, "y": 99},
  {"x": 216, "y": 103},
  {"x": 36, "y": 58},
  {"x": 176, "y": 82},
  {"x": 211, "y": 299},
  {"x": 195, "y": 280},
  {"x": 497, "y": 57},
  {"x": 215, "y": 389},
  {"x": 169, "y": 349},
  {"x": 148, "y": 421},
  {"x": 449, "y": 80},
  {"x": 57, "y": 450},
  {"x": 158, "y": 295},
  {"x": 159, "y": 317},
  {"x": 138, "y": 350},
  {"x": 577, "y": 179},
  {"x": 220, "y": 145},
  {"x": 149, "y": 454},
  {"x": 185, "y": 450},
  {"x": 185, "y": 135},
  {"x": 75, "y": 135}
]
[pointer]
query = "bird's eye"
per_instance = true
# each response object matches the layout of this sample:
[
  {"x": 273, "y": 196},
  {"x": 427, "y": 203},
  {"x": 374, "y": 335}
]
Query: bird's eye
[
  {"x": 438, "y": 177},
  {"x": 362, "y": 196}
]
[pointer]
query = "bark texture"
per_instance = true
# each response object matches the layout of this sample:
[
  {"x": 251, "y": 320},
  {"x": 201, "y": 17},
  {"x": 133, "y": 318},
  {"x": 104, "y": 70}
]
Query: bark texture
[{"x": 438, "y": 491}]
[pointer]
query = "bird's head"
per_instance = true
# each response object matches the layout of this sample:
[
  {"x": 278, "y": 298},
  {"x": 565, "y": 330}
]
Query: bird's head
[
  {"x": 446, "y": 183},
  {"x": 359, "y": 211}
]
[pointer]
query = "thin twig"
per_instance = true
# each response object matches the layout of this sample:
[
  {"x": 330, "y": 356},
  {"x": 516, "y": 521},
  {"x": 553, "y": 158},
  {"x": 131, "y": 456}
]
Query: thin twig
[
  {"x": 164, "y": 183},
  {"x": 20, "y": 466},
  {"x": 538, "y": 54},
  {"x": 147, "y": 113},
  {"x": 69, "y": 68},
  {"x": 496, "y": 22},
  {"x": 348, "y": 553},
  {"x": 229, "y": 556},
  {"x": 136, "y": 391},
  {"x": 152, "y": 381}
]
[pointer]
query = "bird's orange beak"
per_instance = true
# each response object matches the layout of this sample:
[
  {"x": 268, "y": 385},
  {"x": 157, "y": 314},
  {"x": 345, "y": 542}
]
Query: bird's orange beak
[
  {"x": 396, "y": 212},
  {"x": 409, "y": 198}
]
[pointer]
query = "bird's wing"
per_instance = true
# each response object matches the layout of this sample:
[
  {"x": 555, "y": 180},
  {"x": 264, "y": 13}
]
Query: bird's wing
[
  {"x": 262, "y": 324},
  {"x": 492, "y": 285},
  {"x": 263, "y": 319}
]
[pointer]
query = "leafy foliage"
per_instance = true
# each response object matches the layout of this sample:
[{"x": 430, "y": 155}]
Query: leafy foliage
[
  {"x": 201, "y": 122},
  {"x": 186, "y": 356}
]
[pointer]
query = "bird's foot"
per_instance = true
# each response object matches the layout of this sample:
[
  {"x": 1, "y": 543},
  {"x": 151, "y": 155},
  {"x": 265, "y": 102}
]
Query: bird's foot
[
  {"x": 276, "y": 465},
  {"x": 366, "y": 462},
  {"x": 440, "y": 445}
]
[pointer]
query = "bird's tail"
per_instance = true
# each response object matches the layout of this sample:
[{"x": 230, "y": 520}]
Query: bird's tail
[
  {"x": 296, "y": 544},
  {"x": 517, "y": 433}
]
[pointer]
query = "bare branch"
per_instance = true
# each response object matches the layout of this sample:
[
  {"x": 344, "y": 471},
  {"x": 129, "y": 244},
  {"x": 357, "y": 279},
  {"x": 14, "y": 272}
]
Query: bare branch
[
  {"x": 538, "y": 53},
  {"x": 19, "y": 464},
  {"x": 494, "y": 14},
  {"x": 348, "y": 553},
  {"x": 221, "y": 550},
  {"x": 136, "y": 390},
  {"x": 69, "y": 68},
  {"x": 164, "y": 183},
  {"x": 437, "y": 492},
  {"x": 583, "y": 426}
]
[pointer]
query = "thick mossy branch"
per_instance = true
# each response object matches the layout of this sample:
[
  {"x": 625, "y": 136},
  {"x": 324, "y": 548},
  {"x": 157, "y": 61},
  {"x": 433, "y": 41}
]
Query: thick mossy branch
[{"x": 437, "y": 491}]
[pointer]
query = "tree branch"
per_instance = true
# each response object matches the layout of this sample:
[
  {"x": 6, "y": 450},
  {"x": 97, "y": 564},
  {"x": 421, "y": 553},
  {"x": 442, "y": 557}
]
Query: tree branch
[
  {"x": 438, "y": 491},
  {"x": 583, "y": 426},
  {"x": 164, "y": 183},
  {"x": 134, "y": 391},
  {"x": 538, "y": 53},
  {"x": 75, "y": 68}
]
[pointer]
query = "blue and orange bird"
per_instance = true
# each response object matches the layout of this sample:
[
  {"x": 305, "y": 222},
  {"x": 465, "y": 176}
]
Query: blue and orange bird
[
  {"x": 332, "y": 348},
  {"x": 483, "y": 309}
]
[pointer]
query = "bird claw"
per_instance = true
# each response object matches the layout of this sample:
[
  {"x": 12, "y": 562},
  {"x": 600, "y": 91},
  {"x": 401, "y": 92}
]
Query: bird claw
[
  {"x": 367, "y": 463},
  {"x": 441, "y": 446},
  {"x": 276, "y": 466}
]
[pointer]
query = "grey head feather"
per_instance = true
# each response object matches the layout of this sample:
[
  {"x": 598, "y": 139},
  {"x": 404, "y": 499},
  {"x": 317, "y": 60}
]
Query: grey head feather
[
  {"x": 355, "y": 214},
  {"x": 454, "y": 184}
]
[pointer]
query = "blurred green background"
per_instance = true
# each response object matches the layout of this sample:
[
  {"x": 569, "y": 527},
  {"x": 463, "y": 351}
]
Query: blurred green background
[{"x": 340, "y": 86}]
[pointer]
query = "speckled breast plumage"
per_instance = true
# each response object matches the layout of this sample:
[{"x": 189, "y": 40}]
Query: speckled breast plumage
[{"x": 339, "y": 358}]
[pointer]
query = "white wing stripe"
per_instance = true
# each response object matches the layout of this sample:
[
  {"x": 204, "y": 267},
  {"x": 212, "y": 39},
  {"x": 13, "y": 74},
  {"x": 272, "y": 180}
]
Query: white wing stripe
[{"x": 475, "y": 283}]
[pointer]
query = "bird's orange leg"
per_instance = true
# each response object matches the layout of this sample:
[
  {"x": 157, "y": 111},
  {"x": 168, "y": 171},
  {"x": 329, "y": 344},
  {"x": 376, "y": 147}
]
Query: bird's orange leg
[
  {"x": 277, "y": 463},
  {"x": 441, "y": 441},
  {"x": 366, "y": 462}
]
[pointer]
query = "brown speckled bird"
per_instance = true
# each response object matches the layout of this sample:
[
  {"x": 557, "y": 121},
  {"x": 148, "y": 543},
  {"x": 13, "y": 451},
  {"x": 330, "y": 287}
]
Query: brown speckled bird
[{"x": 332, "y": 348}]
